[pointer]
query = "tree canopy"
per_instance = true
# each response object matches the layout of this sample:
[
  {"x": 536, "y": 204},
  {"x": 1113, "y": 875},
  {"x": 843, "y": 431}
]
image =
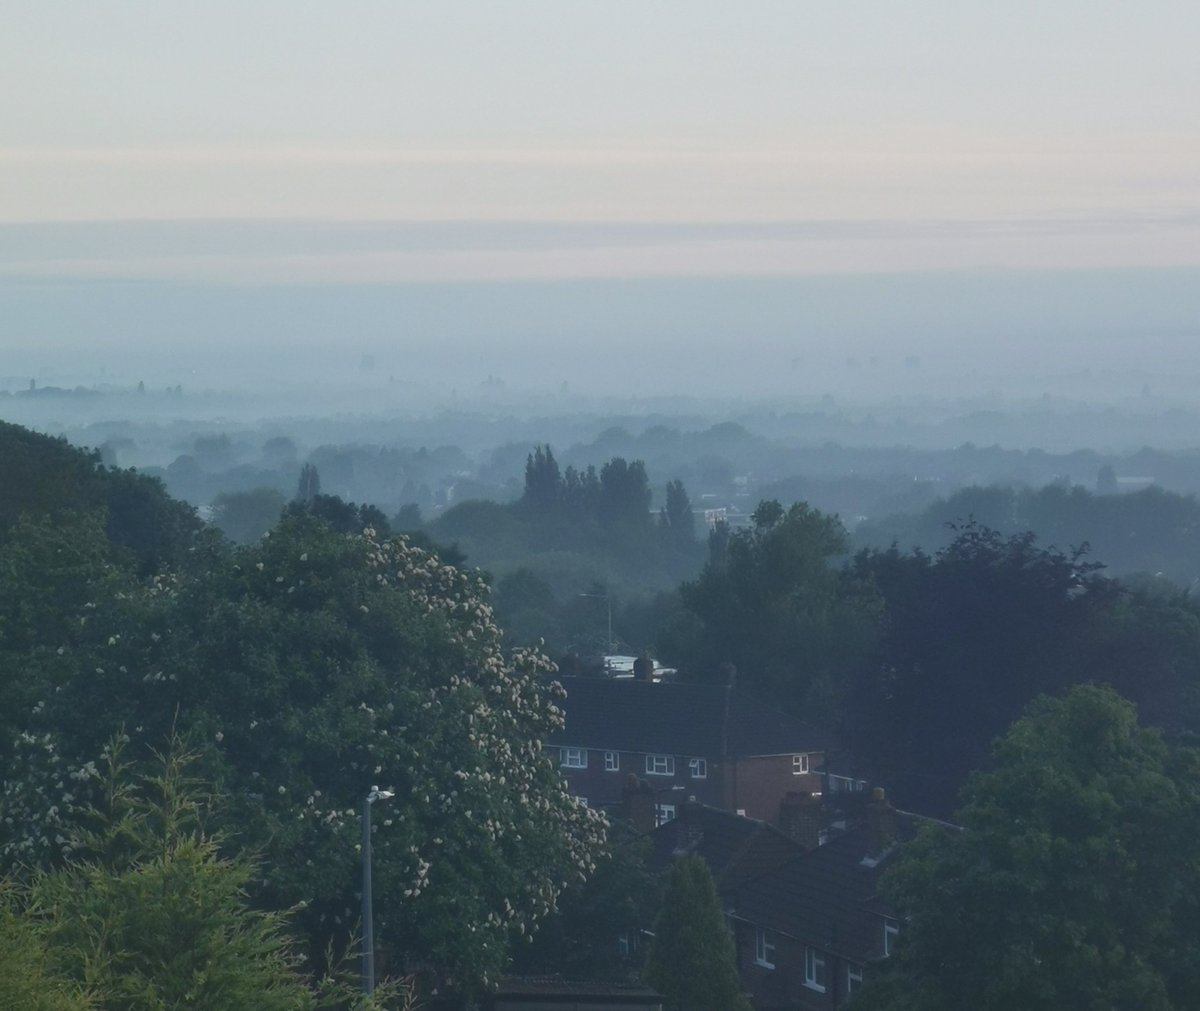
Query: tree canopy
[
  {"x": 691, "y": 959},
  {"x": 1073, "y": 882},
  {"x": 306, "y": 668}
]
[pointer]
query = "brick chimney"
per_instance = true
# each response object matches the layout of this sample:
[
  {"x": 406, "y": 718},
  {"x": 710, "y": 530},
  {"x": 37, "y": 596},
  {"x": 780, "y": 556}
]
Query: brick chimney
[
  {"x": 801, "y": 818},
  {"x": 637, "y": 803},
  {"x": 689, "y": 832},
  {"x": 880, "y": 822}
]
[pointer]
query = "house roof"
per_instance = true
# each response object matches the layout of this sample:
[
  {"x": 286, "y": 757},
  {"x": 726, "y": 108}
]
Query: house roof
[
  {"x": 736, "y": 848},
  {"x": 710, "y": 721},
  {"x": 828, "y": 897}
]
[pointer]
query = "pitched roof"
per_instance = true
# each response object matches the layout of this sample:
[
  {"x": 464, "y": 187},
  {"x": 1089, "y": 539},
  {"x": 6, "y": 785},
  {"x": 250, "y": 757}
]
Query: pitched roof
[
  {"x": 679, "y": 719},
  {"x": 828, "y": 897},
  {"x": 736, "y": 848}
]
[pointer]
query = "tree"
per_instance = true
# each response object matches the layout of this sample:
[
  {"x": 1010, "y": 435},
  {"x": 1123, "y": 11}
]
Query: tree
[
  {"x": 773, "y": 604},
  {"x": 543, "y": 482},
  {"x": 624, "y": 501},
  {"x": 309, "y": 667},
  {"x": 582, "y": 940},
  {"x": 27, "y": 979},
  {"x": 691, "y": 959},
  {"x": 677, "y": 519},
  {"x": 969, "y": 638},
  {"x": 150, "y": 915},
  {"x": 1074, "y": 882},
  {"x": 309, "y": 485}
]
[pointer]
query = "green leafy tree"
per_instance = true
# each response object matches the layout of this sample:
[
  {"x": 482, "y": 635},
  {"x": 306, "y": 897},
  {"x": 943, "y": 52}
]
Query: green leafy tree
[
  {"x": 543, "y": 482},
  {"x": 309, "y": 485},
  {"x": 28, "y": 980},
  {"x": 149, "y": 915},
  {"x": 309, "y": 667},
  {"x": 676, "y": 518},
  {"x": 583, "y": 940},
  {"x": 1074, "y": 882},
  {"x": 773, "y": 603},
  {"x": 970, "y": 637},
  {"x": 691, "y": 959}
]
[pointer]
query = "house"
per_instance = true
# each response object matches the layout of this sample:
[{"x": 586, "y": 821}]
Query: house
[
  {"x": 677, "y": 741},
  {"x": 736, "y": 849},
  {"x": 808, "y": 931}
]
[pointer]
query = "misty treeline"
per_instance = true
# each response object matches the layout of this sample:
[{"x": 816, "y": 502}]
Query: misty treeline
[{"x": 326, "y": 657}]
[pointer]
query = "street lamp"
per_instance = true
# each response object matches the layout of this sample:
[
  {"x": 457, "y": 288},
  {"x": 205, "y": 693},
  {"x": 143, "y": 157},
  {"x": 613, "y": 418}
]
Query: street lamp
[{"x": 368, "y": 960}]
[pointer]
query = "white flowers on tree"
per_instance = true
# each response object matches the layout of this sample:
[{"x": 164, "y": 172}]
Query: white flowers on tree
[{"x": 306, "y": 669}]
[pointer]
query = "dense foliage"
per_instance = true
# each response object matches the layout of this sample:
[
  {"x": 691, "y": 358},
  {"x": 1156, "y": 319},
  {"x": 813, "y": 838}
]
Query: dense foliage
[
  {"x": 971, "y": 635},
  {"x": 773, "y": 604},
  {"x": 691, "y": 959},
  {"x": 1073, "y": 882},
  {"x": 306, "y": 668}
]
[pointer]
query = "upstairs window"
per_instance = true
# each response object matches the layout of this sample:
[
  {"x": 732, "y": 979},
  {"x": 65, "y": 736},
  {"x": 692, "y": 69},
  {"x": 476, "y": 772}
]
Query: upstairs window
[
  {"x": 660, "y": 765},
  {"x": 814, "y": 969},
  {"x": 574, "y": 758},
  {"x": 612, "y": 761},
  {"x": 854, "y": 977},
  {"x": 698, "y": 767},
  {"x": 764, "y": 950},
  {"x": 799, "y": 765},
  {"x": 891, "y": 930}
]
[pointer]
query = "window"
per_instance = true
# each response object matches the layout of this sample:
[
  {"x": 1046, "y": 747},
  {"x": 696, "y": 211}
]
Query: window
[
  {"x": 574, "y": 758},
  {"x": 799, "y": 765},
  {"x": 764, "y": 950},
  {"x": 814, "y": 969},
  {"x": 891, "y": 929},
  {"x": 623, "y": 942},
  {"x": 660, "y": 765},
  {"x": 581, "y": 801},
  {"x": 612, "y": 761},
  {"x": 854, "y": 978},
  {"x": 698, "y": 767},
  {"x": 663, "y": 813}
]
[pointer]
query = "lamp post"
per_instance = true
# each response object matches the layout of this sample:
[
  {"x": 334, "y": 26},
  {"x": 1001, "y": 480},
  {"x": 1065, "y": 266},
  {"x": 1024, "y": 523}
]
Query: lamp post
[{"x": 368, "y": 959}]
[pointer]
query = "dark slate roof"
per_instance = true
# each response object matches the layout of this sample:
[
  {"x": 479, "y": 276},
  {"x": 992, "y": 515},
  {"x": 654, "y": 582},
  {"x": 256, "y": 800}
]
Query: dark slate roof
[
  {"x": 736, "y": 848},
  {"x": 710, "y": 721},
  {"x": 827, "y": 897}
]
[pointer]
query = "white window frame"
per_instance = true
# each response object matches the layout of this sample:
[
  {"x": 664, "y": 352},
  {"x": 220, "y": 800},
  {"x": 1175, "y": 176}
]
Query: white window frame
[
  {"x": 581, "y": 801},
  {"x": 815, "y": 968},
  {"x": 891, "y": 930},
  {"x": 663, "y": 813},
  {"x": 764, "y": 950},
  {"x": 854, "y": 977},
  {"x": 612, "y": 761},
  {"x": 574, "y": 758},
  {"x": 698, "y": 768},
  {"x": 660, "y": 765},
  {"x": 800, "y": 764}
]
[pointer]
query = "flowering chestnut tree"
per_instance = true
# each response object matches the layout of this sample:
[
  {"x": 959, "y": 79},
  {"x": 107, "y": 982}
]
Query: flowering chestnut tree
[{"x": 305, "y": 670}]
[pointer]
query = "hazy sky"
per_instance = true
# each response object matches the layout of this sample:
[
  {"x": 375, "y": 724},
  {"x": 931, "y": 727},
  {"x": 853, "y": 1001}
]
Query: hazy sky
[{"x": 935, "y": 134}]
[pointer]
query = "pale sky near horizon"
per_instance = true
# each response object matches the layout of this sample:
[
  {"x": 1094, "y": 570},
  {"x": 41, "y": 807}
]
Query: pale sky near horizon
[{"x": 1017, "y": 135}]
